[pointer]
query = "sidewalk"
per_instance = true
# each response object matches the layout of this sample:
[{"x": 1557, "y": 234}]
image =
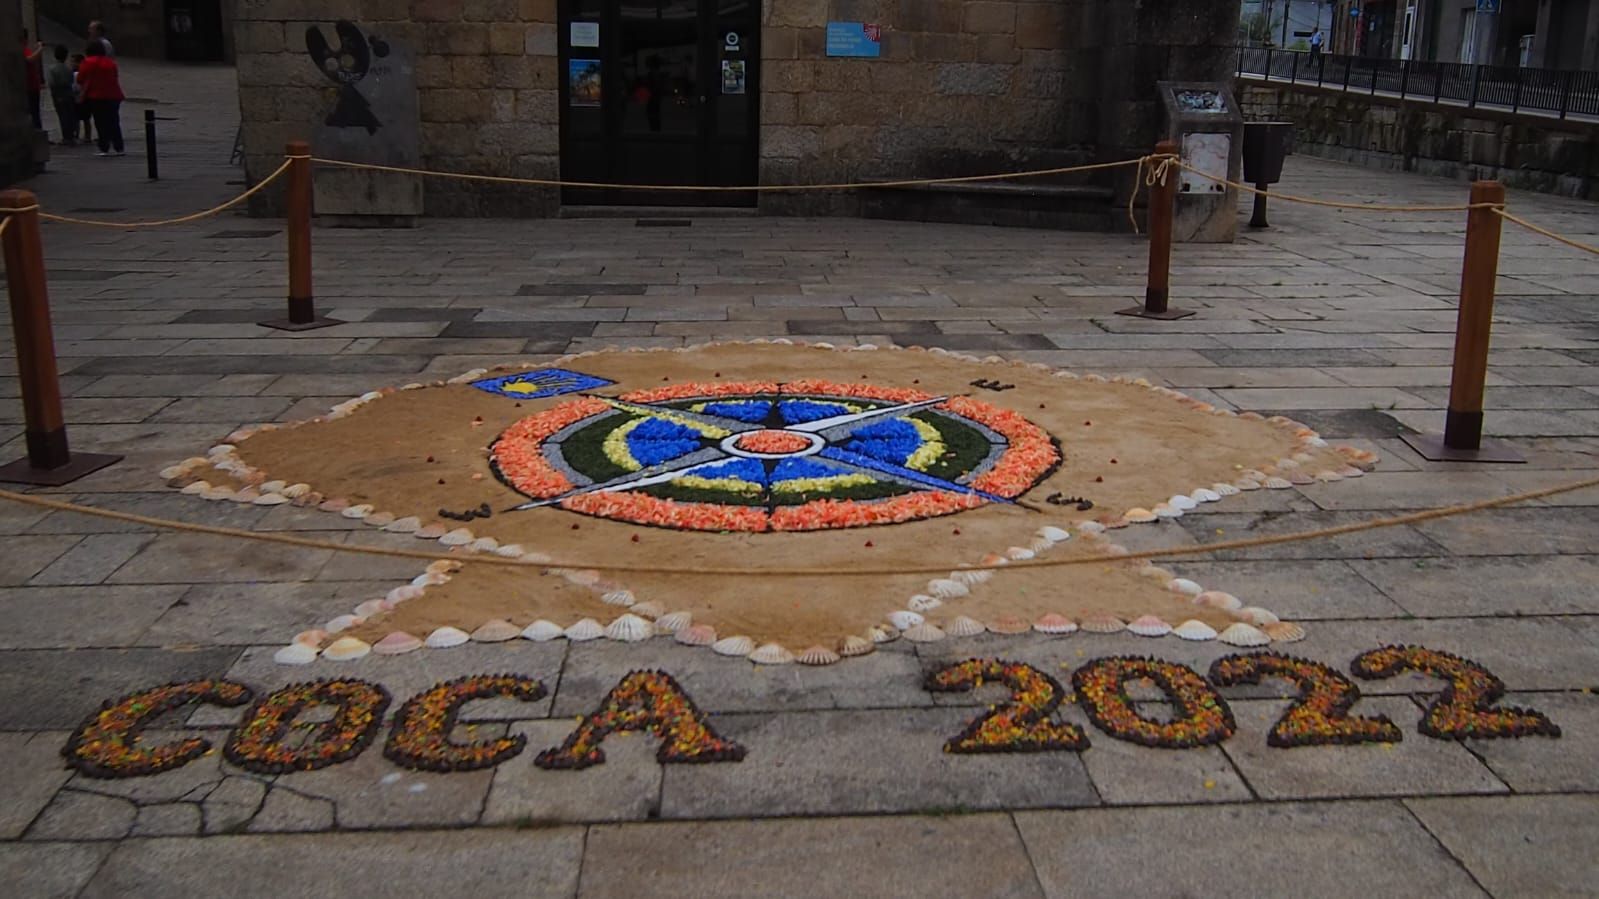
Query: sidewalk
[{"x": 1341, "y": 319}]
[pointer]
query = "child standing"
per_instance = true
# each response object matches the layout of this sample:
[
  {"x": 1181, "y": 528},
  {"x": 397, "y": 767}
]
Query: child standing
[
  {"x": 63, "y": 97},
  {"x": 80, "y": 105}
]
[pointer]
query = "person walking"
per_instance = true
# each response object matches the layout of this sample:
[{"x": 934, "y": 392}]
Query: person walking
[
  {"x": 33, "y": 61},
  {"x": 102, "y": 90},
  {"x": 97, "y": 32},
  {"x": 62, "y": 96},
  {"x": 1315, "y": 45}
]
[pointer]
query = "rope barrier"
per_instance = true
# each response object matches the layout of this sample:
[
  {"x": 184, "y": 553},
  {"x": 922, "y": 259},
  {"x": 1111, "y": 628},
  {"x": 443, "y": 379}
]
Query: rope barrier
[
  {"x": 1587, "y": 248},
  {"x": 1141, "y": 179},
  {"x": 1332, "y": 204},
  {"x": 215, "y": 210},
  {"x": 753, "y": 188},
  {"x": 424, "y": 555}
]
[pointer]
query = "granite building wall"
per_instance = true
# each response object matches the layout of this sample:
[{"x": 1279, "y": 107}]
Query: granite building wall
[
  {"x": 16, "y": 149},
  {"x": 961, "y": 87}
]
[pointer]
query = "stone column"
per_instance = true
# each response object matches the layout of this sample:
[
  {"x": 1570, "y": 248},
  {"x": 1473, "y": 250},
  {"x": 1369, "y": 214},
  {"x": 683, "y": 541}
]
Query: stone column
[{"x": 16, "y": 154}]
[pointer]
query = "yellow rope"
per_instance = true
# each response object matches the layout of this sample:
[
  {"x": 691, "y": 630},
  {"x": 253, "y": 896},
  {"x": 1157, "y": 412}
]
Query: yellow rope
[
  {"x": 1587, "y": 248},
  {"x": 1155, "y": 175},
  {"x": 756, "y": 188},
  {"x": 1333, "y": 204},
  {"x": 424, "y": 555},
  {"x": 98, "y": 223}
]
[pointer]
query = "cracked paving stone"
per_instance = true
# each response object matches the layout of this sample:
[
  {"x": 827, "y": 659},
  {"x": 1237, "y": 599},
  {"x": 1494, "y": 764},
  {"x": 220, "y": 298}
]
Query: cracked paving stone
[
  {"x": 286, "y": 811},
  {"x": 232, "y": 804},
  {"x": 84, "y": 816},
  {"x": 31, "y": 775},
  {"x": 171, "y": 819},
  {"x": 372, "y": 792}
]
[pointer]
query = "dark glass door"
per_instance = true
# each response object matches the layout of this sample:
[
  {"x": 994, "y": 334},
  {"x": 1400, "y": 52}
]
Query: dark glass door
[{"x": 659, "y": 92}]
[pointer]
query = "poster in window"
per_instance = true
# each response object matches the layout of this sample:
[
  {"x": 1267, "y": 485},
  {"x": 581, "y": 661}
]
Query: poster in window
[
  {"x": 732, "y": 76},
  {"x": 583, "y": 82}
]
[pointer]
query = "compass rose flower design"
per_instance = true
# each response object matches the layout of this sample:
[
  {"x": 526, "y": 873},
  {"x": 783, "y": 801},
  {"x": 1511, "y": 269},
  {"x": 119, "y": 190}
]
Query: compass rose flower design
[{"x": 766, "y": 456}]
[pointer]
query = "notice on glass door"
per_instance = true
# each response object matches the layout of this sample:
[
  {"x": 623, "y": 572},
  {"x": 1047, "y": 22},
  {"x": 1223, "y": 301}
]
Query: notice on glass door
[
  {"x": 583, "y": 82},
  {"x": 585, "y": 34},
  {"x": 732, "y": 76}
]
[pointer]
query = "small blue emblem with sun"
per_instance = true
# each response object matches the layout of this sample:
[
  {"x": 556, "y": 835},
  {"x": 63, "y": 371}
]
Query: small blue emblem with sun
[{"x": 540, "y": 383}]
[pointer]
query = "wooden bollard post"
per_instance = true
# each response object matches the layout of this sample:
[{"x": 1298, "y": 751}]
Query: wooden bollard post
[
  {"x": 1162, "y": 207},
  {"x": 297, "y": 213},
  {"x": 49, "y": 462},
  {"x": 1462, "y": 438}
]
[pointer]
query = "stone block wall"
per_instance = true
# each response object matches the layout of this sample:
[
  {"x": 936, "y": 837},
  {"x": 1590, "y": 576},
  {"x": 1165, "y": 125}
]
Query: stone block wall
[
  {"x": 486, "y": 82},
  {"x": 1524, "y": 151},
  {"x": 16, "y": 152}
]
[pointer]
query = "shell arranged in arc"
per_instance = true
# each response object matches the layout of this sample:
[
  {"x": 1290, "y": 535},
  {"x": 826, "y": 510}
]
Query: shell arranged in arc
[
  {"x": 630, "y": 628},
  {"x": 947, "y": 588},
  {"x": 1183, "y": 503},
  {"x": 1019, "y": 553},
  {"x": 407, "y": 525},
  {"x": 1009, "y": 625},
  {"x": 903, "y": 619},
  {"x": 397, "y": 643},
  {"x": 1207, "y": 495},
  {"x": 1284, "y": 632},
  {"x": 972, "y": 577},
  {"x": 619, "y": 598},
  {"x": 921, "y": 602},
  {"x": 1216, "y": 599},
  {"x": 346, "y": 649},
  {"x": 924, "y": 633},
  {"x": 962, "y": 626},
  {"x": 1256, "y": 615},
  {"x": 542, "y": 631},
  {"x": 696, "y": 635},
  {"x": 771, "y": 654},
  {"x": 1276, "y": 483},
  {"x": 651, "y": 610},
  {"x": 341, "y": 623},
  {"x": 496, "y": 630},
  {"x": 1139, "y": 515},
  {"x": 1242, "y": 634},
  {"x": 737, "y": 646},
  {"x": 1149, "y": 626},
  {"x": 853, "y": 645},
  {"x": 1194, "y": 629},
  {"x": 1051, "y": 623},
  {"x": 1184, "y": 586},
  {"x": 356, "y": 512},
  {"x": 1224, "y": 489},
  {"x": 882, "y": 634},
  {"x": 586, "y": 629},
  {"x": 818, "y": 655},
  {"x": 673, "y": 622},
  {"x": 1054, "y": 534},
  {"x": 1103, "y": 624},
  {"x": 295, "y": 654}
]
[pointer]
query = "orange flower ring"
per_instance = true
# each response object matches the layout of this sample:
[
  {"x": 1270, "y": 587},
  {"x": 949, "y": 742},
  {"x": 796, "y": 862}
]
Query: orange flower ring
[{"x": 764, "y": 456}]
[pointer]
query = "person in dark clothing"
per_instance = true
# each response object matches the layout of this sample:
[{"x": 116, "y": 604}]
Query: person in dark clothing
[
  {"x": 102, "y": 88},
  {"x": 81, "y": 105},
  {"x": 62, "y": 96}
]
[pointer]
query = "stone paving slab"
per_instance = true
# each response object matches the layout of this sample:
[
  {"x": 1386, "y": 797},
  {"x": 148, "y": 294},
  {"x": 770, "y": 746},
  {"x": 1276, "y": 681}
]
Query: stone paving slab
[
  {"x": 32, "y": 774},
  {"x": 50, "y": 870},
  {"x": 83, "y": 617},
  {"x": 1354, "y": 849},
  {"x": 530, "y": 863},
  {"x": 909, "y": 857},
  {"x": 1519, "y": 846},
  {"x": 57, "y": 689}
]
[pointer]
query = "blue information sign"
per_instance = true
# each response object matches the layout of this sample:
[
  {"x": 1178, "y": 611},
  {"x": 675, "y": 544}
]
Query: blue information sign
[
  {"x": 1488, "y": 6},
  {"x": 854, "y": 39}
]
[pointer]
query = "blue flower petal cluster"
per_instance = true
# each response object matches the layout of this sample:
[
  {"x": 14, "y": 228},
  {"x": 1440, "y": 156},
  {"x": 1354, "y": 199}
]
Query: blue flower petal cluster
[{"x": 656, "y": 440}]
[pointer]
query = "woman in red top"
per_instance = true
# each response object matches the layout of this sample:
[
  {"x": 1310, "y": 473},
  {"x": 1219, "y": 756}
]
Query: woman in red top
[
  {"x": 33, "y": 63},
  {"x": 102, "y": 91}
]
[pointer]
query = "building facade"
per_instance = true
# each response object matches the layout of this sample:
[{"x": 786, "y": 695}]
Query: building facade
[
  {"x": 1548, "y": 34},
  {"x": 715, "y": 92},
  {"x": 16, "y": 131},
  {"x": 183, "y": 30}
]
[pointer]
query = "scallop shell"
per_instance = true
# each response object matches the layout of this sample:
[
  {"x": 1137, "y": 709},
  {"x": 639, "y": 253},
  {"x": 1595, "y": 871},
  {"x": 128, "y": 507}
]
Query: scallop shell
[
  {"x": 586, "y": 577},
  {"x": 1224, "y": 489},
  {"x": 346, "y": 649},
  {"x": 905, "y": 620},
  {"x": 881, "y": 634},
  {"x": 963, "y": 626},
  {"x": 1183, "y": 503},
  {"x": 1054, "y": 534},
  {"x": 312, "y": 637},
  {"x": 407, "y": 525},
  {"x": 1247, "y": 485},
  {"x": 1184, "y": 586},
  {"x": 1154, "y": 572},
  {"x": 771, "y": 654},
  {"x": 1090, "y": 527},
  {"x": 197, "y": 488},
  {"x": 819, "y": 655},
  {"x": 1019, "y": 553},
  {"x": 246, "y": 495},
  {"x": 457, "y": 537},
  {"x": 1194, "y": 629},
  {"x": 650, "y": 610},
  {"x": 429, "y": 579},
  {"x": 480, "y": 545},
  {"x": 403, "y": 594},
  {"x": 673, "y": 622},
  {"x": 1103, "y": 624},
  {"x": 630, "y": 628},
  {"x": 1138, "y": 515},
  {"x": 1218, "y": 600},
  {"x": 396, "y": 643},
  {"x": 1242, "y": 634},
  {"x": 1207, "y": 495},
  {"x": 587, "y": 629},
  {"x": 496, "y": 630},
  {"x": 852, "y": 646},
  {"x": 1166, "y": 511},
  {"x": 430, "y": 532},
  {"x": 972, "y": 576},
  {"x": 295, "y": 491},
  {"x": 271, "y": 499},
  {"x": 1256, "y": 615},
  {"x": 696, "y": 635},
  {"x": 1009, "y": 624},
  {"x": 372, "y": 607},
  {"x": 341, "y": 623},
  {"x": 738, "y": 646},
  {"x": 356, "y": 512},
  {"x": 1278, "y": 483},
  {"x": 619, "y": 598},
  {"x": 1149, "y": 626},
  {"x": 947, "y": 588},
  {"x": 1052, "y": 623},
  {"x": 993, "y": 559},
  {"x": 1350, "y": 471},
  {"x": 542, "y": 631},
  {"x": 510, "y": 550},
  {"x": 921, "y": 602},
  {"x": 1328, "y": 476},
  {"x": 295, "y": 654},
  {"x": 1284, "y": 632},
  {"x": 924, "y": 633},
  {"x": 217, "y": 493},
  {"x": 443, "y": 566}
]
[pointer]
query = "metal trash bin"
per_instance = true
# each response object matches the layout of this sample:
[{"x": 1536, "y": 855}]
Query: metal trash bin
[{"x": 1266, "y": 145}]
